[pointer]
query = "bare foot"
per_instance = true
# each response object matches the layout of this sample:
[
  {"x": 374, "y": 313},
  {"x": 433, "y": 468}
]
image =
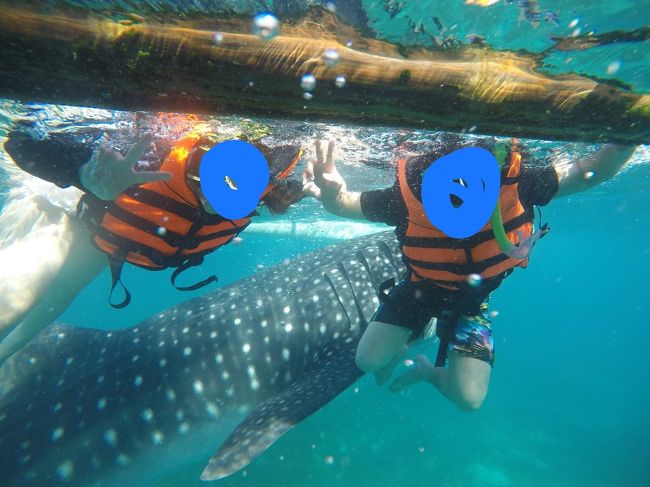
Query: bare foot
[{"x": 415, "y": 374}]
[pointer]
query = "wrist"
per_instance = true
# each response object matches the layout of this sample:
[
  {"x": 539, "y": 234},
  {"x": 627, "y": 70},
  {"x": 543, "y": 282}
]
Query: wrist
[
  {"x": 92, "y": 178},
  {"x": 333, "y": 202},
  {"x": 84, "y": 174}
]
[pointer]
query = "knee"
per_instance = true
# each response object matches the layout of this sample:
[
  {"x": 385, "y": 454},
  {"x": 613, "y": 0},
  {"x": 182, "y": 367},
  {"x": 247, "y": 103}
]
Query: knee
[
  {"x": 470, "y": 398},
  {"x": 379, "y": 345},
  {"x": 368, "y": 362}
]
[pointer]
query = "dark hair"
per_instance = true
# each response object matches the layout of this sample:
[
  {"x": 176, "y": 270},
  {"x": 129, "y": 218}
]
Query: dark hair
[
  {"x": 285, "y": 194},
  {"x": 448, "y": 143}
]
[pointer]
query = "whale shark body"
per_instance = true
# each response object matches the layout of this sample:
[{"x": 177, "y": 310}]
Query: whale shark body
[{"x": 93, "y": 407}]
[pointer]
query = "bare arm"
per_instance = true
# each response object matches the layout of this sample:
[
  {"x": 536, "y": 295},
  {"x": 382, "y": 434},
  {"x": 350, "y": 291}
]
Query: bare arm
[
  {"x": 347, "y": 204},
  {"x": 65, "y": 161},
  {"x": 591, "y": 170},
  {"x": 329, "y": 187},
  {"x": 108, "y": 173}
]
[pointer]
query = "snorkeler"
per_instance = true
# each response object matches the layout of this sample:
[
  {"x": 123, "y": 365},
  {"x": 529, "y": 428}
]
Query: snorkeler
[
  {"x": 448, "y": 278},
  {"x": 154, "y": 219}
]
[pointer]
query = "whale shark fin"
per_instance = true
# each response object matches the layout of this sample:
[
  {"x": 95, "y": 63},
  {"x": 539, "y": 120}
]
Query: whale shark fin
[{"x": 334, "y": 373}]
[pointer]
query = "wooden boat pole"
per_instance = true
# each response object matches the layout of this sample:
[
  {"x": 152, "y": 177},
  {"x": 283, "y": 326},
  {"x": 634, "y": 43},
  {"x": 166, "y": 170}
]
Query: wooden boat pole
[{"x": 66, "y": 58}]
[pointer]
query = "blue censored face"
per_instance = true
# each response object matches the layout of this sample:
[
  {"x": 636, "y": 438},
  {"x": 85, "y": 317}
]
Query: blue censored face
[
  {"x": 460, "y": 191},
  {"x": 234, "y": 174}
]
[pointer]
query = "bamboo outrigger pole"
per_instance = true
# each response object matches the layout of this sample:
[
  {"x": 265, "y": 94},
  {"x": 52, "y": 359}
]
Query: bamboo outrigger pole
[{"x": 89, "y": 60}]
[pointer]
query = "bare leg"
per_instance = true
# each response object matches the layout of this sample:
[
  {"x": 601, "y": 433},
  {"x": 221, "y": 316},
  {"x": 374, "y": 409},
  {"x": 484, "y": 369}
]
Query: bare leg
[
  {"x": 465, "y": 382},
  {"x": 380, "y": 349},
  {"x": 81, "y": 266},
  {"x": 422, "y": 370},
  {"x": 382, "y": 375},
  {"x": 35, "y": 240}
]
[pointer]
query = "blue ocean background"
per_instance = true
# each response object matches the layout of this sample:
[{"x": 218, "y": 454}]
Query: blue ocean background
[{"x": 570, "y": 393}]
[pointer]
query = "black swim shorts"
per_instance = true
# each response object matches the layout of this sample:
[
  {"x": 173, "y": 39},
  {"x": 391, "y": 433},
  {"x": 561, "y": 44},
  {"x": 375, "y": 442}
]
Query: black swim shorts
[{"x": 412, "y": 304}]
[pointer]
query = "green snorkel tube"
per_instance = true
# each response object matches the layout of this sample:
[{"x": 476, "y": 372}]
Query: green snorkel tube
[{"x": 525, "y": 246}]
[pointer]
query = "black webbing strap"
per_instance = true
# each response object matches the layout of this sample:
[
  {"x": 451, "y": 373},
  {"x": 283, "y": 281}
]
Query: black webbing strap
[
  {"x": 468, "y": 302},
  {"x": 186, "y": 264},
  {"x": 383, "y": 287},
  {"x": 191, "y": 261},
  {"x": 445, "y": 331},
  {"x": 116, "y": 262}
]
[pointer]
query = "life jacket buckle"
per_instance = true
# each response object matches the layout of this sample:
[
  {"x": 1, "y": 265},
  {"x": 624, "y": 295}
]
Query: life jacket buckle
[{"x": 384, "y": 287}]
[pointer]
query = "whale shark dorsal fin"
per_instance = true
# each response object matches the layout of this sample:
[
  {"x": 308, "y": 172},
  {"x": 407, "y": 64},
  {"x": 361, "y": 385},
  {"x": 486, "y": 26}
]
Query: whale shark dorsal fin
[{"x": 334, "y": 372}]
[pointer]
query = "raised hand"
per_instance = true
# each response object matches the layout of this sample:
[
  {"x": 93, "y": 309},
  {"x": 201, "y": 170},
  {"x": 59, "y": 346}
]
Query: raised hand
[
  {"x": 327, "y": 179},
  {"x": 108, "y": 173},
  {"x": 322, "y": 181}
]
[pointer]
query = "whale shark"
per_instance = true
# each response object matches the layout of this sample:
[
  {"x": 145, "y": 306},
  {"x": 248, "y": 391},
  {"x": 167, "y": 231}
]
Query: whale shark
[{"x": 219, "y": 377}]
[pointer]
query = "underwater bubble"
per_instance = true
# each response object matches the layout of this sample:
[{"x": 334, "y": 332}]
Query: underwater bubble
[
  {"x": 348, "y": 43},
  {"x": 331, "y": 57},
  {"x": 266, "y": 26},
  {"x": 162, "y": 231},
  {"x": 576, "y": 32},
  {"x": 307, "y": 96},
  {"x": 308, "y": 82},
  {"x": 574, "y": 22},
  {"x": 474, "y": 280},
  {"x": 329, "y": 459},
  {"x": 409, "y": 363},
  {"x": 217, "y": 37},
  {"x": 237, "y": 240},
  {"x": 589, "y": 175},
  {"x": 340, "y": 81},
  {"x": 613, "y": 67},
  {"x": 421, "y": 449},
  {"x": 493, "y": 314}
]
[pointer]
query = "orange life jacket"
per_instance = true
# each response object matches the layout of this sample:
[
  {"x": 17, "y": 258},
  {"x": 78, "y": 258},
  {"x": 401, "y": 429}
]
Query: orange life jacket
[
  {"x": 430, "y": 254},
  {"x": 160, "y": 224}
]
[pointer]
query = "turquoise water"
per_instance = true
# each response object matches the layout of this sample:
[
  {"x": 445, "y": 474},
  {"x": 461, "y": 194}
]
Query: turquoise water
[
  {"x": 570, "y": 393},
  {"x": 570, "y": 389}
]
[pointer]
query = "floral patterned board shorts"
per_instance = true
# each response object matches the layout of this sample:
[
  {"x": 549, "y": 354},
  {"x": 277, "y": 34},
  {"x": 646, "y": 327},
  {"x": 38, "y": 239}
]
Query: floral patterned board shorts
[
  {"x": 412, "y": 304},
  {"x": 473, "y": 337}
]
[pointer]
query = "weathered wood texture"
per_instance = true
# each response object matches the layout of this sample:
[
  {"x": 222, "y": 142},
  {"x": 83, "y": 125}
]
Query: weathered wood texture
[{"x": 78, "y": 59}]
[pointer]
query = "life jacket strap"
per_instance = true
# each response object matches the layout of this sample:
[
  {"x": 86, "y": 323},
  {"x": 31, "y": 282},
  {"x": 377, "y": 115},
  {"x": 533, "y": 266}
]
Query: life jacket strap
[
  {"x": 467, "y": 305},
  {"x": 383, "y": 287},
  {"x": 90, "y": 210},
  {"x": 445, "y": 331},
  {"x": 191, "y": 262},
  {"x": 116, "y": 263}
]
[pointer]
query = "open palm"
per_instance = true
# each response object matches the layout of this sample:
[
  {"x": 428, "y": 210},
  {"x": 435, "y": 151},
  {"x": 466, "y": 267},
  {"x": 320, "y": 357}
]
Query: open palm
[{"x": 109, "y": 173}]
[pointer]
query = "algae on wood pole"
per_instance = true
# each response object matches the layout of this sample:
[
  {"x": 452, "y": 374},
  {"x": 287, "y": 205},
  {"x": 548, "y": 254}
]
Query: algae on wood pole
[{"x": 171, "y": 65}]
